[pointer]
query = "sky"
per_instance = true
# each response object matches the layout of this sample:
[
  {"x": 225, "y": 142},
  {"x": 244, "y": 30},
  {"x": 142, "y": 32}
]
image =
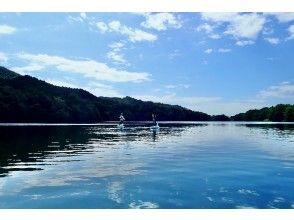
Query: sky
[{"x": 218, "y": 63}]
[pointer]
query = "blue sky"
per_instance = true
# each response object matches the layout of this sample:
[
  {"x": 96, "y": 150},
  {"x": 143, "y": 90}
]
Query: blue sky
[{"x": 211, "y": 62}]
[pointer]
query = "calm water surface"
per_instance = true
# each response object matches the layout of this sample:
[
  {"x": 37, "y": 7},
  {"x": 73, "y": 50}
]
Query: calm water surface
[{"x": 201, "y": 165}]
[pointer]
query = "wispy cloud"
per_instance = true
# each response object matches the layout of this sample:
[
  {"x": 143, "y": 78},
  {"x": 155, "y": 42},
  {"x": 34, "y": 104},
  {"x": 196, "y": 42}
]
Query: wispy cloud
[
  {"x": 208, "y": 51},
  {"x": 97, "y": 89},
  {"x": 3, "y": 57},
  {"x": 220, "y": 50},
  {"x": 239, "y": 25},
  {"x": 172, "y": 98},
  {"x": 243, "y": 27},
  {"x": 291, "y": 32},
  {"x": 61, "y": 83},
  {"x": 243, "y": 43},
  {"x": 174, "y": 54},
  {"x": 272, "y": 40},
  {"x": 26, "y": 70},
  {"x": 81, "y": 17},
  {"x": 161, "y": 21},
  {"x": 7, "y": 29},
  {"x": 282, "y": 16},
  {"x": 102, "y": 27},
  {"x": 283, "y": 90},
  {"x": 87, "y": 68},
  {"x": 174, "y": 86},
  {"x": 224, "y": 50},
  {"x": 134, "y": 35},
  {"x": 211, "y": 105},
  {"x": 116, "y": 57},
  {"x": 115, "y": 54},
  {"x": 208, "y": 29}
]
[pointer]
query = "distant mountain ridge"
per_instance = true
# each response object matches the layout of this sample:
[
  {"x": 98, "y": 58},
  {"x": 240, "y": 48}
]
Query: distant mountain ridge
[{"x": 28, "y": 99}]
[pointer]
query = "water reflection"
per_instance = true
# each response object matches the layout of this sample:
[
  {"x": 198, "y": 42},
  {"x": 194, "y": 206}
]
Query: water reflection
[
  {"x": 22, "y": 147},
  {"x": 154, "y": 134},
  {"x": 280, "y": 130},
  {"x": 275, "y": 139},
  {"x": 182, "y": 165},
  {"x": 28, "y": 148}
]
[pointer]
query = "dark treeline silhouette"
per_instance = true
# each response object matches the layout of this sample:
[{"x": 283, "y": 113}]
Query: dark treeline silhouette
[
  {"x": 27, "y": 99},
  {"x": 278, "y": 113},
  {"x": 220, "y": 118}
]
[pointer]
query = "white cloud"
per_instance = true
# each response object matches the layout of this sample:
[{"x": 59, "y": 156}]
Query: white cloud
[
  {"x": 190, "y": 102},
  {"x": 283, "y": 16},
  {"x": 161, "y": 21},
  {"x": 267, "y": 31},
  {"x": 246, "y": 26},
  {"x": 224, "y": 50},
  {"x": 283, "y": 90},
  {"x": 116, "y": 45},
  {"x": 243, "y": 43},
  {"x": 238, "y": 25},
  {"x": 272, "y": 40},
  {"x": 83, "y": 15},
  {"x": 214, "y": 36},
  {"x": 80, "y": 18},
  {"x": 208, "y": 29},
  {"x": 72, "y": 19},
  {"x": 26, "y": 70},
  {"x": 174, "y": 54},
  {"x": 134, "y": 35},
  {"x": 6, "y": 29},
  {"x": 87, "y": 68},
  {"x": 116, "y": 57},
  {"x": 208, "y": 51},
  {"x": 105, "y": 92},
  {"x": 115, "y": 53},
  {"x": 97, "y": 89},
  {"x": 102, "y": 27},
  {"x": 3, "y": 58},
  {"x": 61, "y": 83},
  {"x": 291, "y": 32},
  {"x": 172, "y": 86},
  {"x": 115, "y": 25}
]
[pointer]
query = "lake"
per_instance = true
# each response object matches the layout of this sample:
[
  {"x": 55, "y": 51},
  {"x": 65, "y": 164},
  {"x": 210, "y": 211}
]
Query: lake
[{"x": 183, "y": 165}]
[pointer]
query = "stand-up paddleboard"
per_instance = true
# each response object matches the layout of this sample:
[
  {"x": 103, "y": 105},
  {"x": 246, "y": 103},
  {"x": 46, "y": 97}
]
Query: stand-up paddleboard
[
  {"x": 155, "y": 127},
  {"x": 120, "y": 126}
]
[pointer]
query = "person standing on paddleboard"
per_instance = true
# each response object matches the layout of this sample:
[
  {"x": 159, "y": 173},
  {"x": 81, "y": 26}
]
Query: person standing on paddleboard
[
  {"x": 154, "y": 119},
  {"x": 121, "y": 119}
]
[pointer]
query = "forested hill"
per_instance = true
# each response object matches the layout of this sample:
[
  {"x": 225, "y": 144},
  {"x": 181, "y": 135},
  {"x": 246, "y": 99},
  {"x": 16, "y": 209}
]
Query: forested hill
[
  {"x": 281, "y": 112},
  {"x": 27, "y": 99}
]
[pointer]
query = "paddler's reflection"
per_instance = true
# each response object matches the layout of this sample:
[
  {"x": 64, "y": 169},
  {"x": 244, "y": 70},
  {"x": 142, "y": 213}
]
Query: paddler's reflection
[{"x": 154, "y": 134}]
